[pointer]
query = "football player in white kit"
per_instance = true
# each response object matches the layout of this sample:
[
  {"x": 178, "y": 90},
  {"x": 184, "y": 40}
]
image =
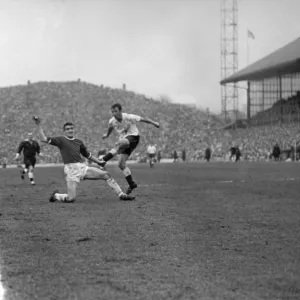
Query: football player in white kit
[
  {"x": 125, "y": 125},
  {"x": 151, "y": 151}
]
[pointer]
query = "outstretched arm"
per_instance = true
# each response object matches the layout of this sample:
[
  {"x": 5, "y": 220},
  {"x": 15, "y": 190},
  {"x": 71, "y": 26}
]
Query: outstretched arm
[
  {"x": 149, "y": 121},
  {"x": 85, "y": 153},
  {"x": 37, "y": 121}
]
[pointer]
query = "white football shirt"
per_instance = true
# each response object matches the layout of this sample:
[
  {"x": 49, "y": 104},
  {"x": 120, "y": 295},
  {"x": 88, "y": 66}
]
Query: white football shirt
[
  {"x": 127, "y": 126},
  {"x": 151, "y": 149}
]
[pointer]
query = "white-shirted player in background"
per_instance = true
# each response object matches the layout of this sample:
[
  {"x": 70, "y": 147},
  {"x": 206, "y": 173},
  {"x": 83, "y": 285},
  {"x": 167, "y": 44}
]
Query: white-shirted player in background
[
  {"x": 151, "y": 151},
  {"x": 125, "y": 125}
]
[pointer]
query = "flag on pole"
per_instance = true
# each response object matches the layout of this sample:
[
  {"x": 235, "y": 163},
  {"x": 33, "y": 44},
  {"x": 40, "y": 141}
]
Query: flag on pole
[{"x": 251, "y": 34}]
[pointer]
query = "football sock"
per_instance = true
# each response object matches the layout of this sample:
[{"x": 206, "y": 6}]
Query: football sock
[
  {"x": 61, "y": 197},
  {"x": 114, "y": 185},
  {"x": 128, "y": 176},
  {"x": 107, "y": 156},
  {"x": 30, "y": 175},
  {"x": 112, "y": 153}
]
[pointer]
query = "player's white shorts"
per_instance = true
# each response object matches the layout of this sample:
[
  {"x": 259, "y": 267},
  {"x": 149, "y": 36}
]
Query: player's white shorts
[{"x": 75, "y": 171}]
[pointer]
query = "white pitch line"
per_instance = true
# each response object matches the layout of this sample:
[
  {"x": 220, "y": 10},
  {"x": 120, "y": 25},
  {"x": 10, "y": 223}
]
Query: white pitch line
[
  {"x": 149, "y": 185},
  {"x": 224, "y": 181},
  {"x": 244, "y": 181},
  {"x": 218, "y": 181}
]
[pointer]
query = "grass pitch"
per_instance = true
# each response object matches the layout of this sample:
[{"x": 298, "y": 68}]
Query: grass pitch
[{"x": 195, "y": 231}]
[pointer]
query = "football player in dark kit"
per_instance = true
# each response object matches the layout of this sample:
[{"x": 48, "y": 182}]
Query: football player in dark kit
[{"x": 30, "y": 148}]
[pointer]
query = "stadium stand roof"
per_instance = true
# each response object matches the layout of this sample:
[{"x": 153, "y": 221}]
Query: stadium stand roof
[{"x": 285, "y": 60}]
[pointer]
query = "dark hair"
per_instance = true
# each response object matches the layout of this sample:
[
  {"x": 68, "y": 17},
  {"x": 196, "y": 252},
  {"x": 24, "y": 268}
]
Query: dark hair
[
  {"x": 68, "y": 124},
  {"x": 117, "y": 105}
]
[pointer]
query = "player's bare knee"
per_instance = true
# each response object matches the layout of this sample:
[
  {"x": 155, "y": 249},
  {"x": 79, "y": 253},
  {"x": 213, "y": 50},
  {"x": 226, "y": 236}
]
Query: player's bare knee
[
  {"x": 114, "y": 151},
  {"x": 106, "y": 176},
  {"x": 102, "y": 174},
  {"x": 123, "y": 143},
  {"x": 122, "y": 165}
]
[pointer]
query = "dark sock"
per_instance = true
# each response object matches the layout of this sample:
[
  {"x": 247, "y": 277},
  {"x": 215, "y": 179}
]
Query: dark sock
[
  {"x": 23, "y": 172},
  {"x": 31, "y": 179},
  {"x": 107, "y": 156},
  {"x": 129, "y": 180}
]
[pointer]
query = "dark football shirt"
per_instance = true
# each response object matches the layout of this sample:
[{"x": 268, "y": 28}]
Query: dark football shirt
[
  {"x": 70, "y": 149},
  {"x": 30, "y": 149}
]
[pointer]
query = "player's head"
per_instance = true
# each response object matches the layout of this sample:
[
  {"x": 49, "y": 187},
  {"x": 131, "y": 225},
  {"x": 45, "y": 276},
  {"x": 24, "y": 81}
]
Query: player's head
[
  {"x": 116, "y": 110},
  {"x": 69, "y": 129},
  {"x": 30, "y": 136}
]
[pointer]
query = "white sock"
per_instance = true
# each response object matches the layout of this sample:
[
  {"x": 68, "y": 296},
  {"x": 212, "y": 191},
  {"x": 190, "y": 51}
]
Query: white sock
[
  {"x": 126, "y": 172},
  {"x": 61, "y": 197},
  {"x": 113, "y": 152},
  {"x": 113, "y": 184},
  {"x": 30, "y": 175}
]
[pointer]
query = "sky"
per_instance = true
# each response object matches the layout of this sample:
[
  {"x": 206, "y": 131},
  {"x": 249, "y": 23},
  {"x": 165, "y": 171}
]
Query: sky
[{"x": 158, "y": 48}]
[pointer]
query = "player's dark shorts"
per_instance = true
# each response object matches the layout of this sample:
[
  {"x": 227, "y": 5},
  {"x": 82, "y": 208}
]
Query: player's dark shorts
[
  {"x": 133, "y": 142},
  {"x": 151, "y": 155},
  {"x": 29, "y": 161}
]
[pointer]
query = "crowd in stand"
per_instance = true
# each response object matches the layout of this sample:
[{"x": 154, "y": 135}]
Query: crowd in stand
[
  {"x": 183, "y": 128},
  {"x": 256, "y": 144},
  {"x": 88, "y": 106}
]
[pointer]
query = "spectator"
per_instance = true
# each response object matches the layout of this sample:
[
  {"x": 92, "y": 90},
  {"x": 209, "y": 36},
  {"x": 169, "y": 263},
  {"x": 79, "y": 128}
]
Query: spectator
[
  {"x": 4, "y": 162},
  {"x": 238, "y": 154},
  {"x": 183, "y": 155},
  {"x": 276, "y": 152},
  {"x": 158, "y": 156},
  {"x": 232, "y": 152},
  {"x": 175, "y": 156},
  {"x": 207, "y": 154}
]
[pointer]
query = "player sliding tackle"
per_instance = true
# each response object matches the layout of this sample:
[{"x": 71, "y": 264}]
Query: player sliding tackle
[
  {"x": 125, "y": 125},
  {"x": 75, "y": 170}
]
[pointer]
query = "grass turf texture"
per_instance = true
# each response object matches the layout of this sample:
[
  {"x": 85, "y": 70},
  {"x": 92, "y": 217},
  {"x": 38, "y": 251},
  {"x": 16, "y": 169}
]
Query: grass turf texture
[{"x": 190, "y": 234}]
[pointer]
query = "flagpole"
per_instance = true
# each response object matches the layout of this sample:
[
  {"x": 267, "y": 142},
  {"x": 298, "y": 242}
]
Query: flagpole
[{"x": 247, "y": 49}]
